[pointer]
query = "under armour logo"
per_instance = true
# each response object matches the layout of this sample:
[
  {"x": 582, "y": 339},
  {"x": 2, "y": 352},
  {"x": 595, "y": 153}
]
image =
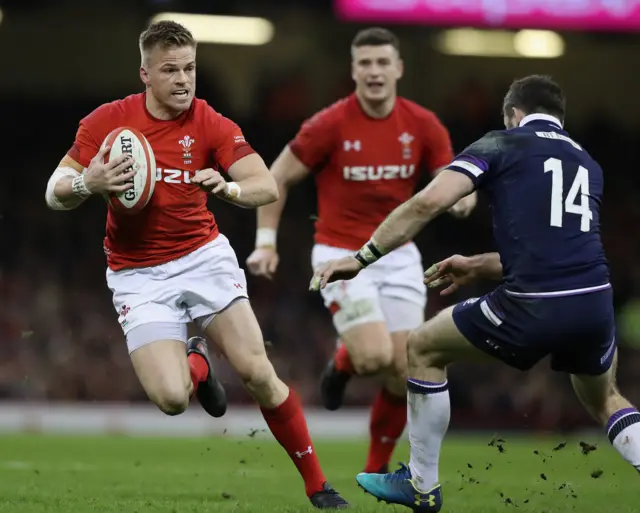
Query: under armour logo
[
  {"x": 430, "y": 500},
  {"x": 352, "y": 145},
  {"x": 299, "y": 454}
]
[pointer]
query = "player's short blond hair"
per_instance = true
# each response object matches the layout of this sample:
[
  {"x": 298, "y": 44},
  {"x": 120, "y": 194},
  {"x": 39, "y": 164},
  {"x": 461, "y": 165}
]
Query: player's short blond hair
[{"x": 165, "y": 34}]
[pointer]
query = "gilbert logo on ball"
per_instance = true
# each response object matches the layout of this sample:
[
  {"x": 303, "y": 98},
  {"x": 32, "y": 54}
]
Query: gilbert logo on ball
[{"x": 130, "y": 141}]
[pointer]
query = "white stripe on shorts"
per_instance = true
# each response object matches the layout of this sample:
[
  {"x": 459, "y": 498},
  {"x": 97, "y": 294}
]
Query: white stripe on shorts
[
  {"x": 560, "y": 293},
  {"x": 490, "y": 314}
]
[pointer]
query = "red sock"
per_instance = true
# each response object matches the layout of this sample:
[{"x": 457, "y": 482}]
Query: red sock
[
  {"x": 289, "y": 427},
  {"x": 342, "y": 360},
  {"x": 388, "y": 419},
  {"x": 199, "y": 369}
]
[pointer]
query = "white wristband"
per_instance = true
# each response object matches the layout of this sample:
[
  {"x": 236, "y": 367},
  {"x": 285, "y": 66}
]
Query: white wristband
[
  {"x": 266, "y": 238},
  {"x": 233, "y": 191},
  {"x": 79, "y": 188}
]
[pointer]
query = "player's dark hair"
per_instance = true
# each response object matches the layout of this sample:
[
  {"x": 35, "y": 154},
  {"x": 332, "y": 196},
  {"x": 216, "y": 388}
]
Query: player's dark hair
[
  {"x": 165, "y": 34},
  {"x": 535, "y": 94},
  {"x": 375, "y": 36}
]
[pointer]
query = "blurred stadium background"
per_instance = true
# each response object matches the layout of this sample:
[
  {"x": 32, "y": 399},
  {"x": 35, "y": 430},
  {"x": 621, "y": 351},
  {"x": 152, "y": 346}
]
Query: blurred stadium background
[{"x": 63, "y": 360}]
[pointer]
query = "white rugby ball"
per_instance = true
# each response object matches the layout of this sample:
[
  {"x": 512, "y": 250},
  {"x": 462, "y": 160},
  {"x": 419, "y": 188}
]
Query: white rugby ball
[{"x": 131, "y": 141}]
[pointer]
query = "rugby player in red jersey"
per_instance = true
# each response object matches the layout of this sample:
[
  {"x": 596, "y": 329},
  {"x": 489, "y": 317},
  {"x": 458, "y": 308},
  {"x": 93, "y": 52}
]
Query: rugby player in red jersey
[
  {"x": 367, "y": 153},
  {"x": 168, "y": 265}
]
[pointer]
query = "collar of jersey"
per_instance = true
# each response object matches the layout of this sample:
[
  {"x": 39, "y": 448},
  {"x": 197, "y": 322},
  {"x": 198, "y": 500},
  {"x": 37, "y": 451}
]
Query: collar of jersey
[{"x": 540, "y": 117}]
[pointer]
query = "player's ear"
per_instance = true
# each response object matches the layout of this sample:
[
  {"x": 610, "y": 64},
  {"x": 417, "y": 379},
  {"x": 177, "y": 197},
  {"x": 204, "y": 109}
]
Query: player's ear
[
  {"x": 518, "y": 115},
  {"x": 400, "y": 68},
  {"x": 144, "y": 76},
  {"x": 510, "y": 118}
]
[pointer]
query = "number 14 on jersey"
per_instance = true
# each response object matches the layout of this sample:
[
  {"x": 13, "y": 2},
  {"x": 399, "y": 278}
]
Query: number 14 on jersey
[{"x": 577, "y": 201}]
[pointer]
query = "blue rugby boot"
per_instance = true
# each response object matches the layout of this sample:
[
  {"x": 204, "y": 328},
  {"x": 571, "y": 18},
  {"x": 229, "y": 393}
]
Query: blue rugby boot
[{"x": 398, "y": 488}]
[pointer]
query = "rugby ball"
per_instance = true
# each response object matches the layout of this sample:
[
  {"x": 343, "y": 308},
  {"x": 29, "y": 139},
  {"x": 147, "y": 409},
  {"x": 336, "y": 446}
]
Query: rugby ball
[{"x": 131, "y": 141}]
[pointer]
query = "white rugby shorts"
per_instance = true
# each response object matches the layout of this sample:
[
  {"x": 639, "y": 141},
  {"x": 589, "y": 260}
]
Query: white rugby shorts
[
  {"x": 157, "y": 302},
  {"x": 390, "y": 290}
]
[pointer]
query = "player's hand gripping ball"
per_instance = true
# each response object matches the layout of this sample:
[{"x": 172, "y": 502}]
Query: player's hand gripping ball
[{"x": 139, "y": 179}]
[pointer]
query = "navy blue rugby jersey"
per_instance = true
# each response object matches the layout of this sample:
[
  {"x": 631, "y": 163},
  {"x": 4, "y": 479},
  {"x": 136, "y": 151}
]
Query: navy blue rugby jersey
[{"x": 545, "y": 192}]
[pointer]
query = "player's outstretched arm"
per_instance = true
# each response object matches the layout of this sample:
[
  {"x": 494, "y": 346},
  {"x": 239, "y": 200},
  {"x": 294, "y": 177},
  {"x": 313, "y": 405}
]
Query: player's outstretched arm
[
  {"x": 287, "y": 170},
  {"x": 71, "y": 184},
  {"x": 402, "y": 225},
  {"x": 462, "y": 208},
  {"x": 406, "y": 221}
]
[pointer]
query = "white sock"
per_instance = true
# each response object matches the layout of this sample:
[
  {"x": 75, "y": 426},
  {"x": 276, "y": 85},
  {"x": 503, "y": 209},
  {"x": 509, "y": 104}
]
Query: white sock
[
  {"x": 429, "y": 413},
  {"x": 623, "y": 430}
]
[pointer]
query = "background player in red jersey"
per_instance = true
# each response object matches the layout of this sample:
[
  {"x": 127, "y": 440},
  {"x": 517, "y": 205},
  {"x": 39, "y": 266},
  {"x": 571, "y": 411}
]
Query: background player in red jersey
[
  {"x": 366, "y": 152},
  {"x": 169, "y": 265}
]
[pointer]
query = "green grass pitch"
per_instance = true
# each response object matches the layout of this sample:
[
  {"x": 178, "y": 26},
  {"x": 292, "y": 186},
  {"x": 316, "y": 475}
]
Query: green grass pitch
[{"x": 249, "y": 474}]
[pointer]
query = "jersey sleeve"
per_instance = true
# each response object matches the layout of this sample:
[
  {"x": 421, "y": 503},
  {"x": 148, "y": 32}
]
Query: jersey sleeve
[
  {"x": 92, "y": 131},
  {"x": 437, "y": 144},
  {"x": 228, "y": 144},
  {"x": 315, "y": 140},
  {"x": 478, "y": 160}
]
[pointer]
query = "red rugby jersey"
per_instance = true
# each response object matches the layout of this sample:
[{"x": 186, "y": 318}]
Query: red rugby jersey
[
  {"x": 176, "y": 220},
  {"x": 365, "y": 167}
]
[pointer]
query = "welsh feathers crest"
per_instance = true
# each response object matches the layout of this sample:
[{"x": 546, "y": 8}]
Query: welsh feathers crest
[{"x": 186, "y": 142}]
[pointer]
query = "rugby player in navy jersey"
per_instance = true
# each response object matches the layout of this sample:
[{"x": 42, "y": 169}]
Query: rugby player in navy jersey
[{"x": 554, "y": 297}]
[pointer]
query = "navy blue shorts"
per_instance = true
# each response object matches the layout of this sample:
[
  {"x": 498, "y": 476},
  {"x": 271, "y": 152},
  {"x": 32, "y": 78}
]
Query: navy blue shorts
[{"x": 577, "y": 331}]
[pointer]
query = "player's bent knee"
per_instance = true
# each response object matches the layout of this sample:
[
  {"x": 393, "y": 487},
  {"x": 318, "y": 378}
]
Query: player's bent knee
[
  {"x": 371, "y": 363},
  {"x": 172, "y": 401},
  {"x": 370, "y": 348},
  {"x": 370, "y": 353},
  {"x": 422, "y": 350}
]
